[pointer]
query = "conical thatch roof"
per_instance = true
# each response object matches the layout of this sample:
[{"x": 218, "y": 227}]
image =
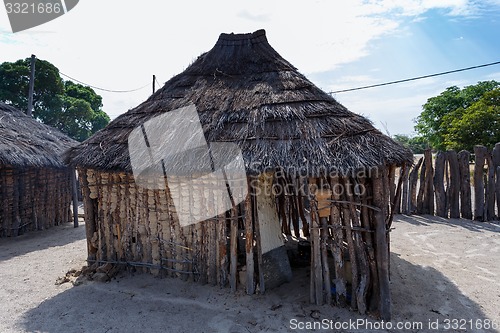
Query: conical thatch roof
[
  {"x": 24, "y": 142},
  {"x": 246, "y": 93}
]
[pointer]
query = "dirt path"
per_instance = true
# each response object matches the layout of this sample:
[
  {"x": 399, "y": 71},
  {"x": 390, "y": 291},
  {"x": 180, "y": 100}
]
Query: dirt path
[{"x": 441, "y": 269}]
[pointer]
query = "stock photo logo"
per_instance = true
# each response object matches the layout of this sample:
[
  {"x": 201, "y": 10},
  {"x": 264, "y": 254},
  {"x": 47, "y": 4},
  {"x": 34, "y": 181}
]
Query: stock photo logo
[
  {"x": 204, "y": 179},
  {"x": 26, "y": 14}
]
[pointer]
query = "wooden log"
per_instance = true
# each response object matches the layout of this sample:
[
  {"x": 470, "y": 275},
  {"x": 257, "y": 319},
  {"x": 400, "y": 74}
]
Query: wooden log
[
  {"x": 323, "y": 197},
  {"x": 465, "y": 186},
  {"x": 381, "y": 250},
  {"x": 480, "y": 157},
  {"x": 233, "y": 268},
  {"x": 421, "y": 189},
  {"x": 222, "y": 249},
  {"x": 453, "y": 193},
  {"x": 428, "y": 206},
  {"x": 337, "y": 244},
  {"x": 496, "y": 167},
  {"x": 258, "y": 243},
  {"x": 316, "y": 266},
  {"x": 353, "y": 257},
  {"x": 392, "y": 187},
  {"x": 293, "y": 206},
  {"x": 362, "y": 257},
  {"x": 74, "y": 191},
  {"x": 405, "y": 205},
  {"x": 300, "y": 204},
  {"x": 440, "y": 164},
  {"x": 396, "y": 200},
  {"x": 490, "y": 190},
  {"x": 250, "y": 287},
  {"x": 368, "y": 237},
  {"x": 413, "y": 200}
]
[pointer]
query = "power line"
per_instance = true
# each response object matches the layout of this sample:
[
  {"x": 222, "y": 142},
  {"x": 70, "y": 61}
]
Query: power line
[
  {"x": 415, "y": 78},
  {"x": 103, "y": 89}
]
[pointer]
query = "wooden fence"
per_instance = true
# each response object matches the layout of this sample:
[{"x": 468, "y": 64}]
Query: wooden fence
[{"x": 442, "y": 185}]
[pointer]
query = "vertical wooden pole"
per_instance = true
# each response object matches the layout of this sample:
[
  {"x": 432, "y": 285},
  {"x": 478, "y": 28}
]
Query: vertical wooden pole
[
  {"x": 249, "y": 242},
  {"x": 381, "y": 239},
  {"x": 428, "y": 207},
  {"x": 258, "y": 243},
  {"x": 353, "y": 258},
  {"x": 316, "y": 255},
  {"x": 233, "y": 268},
  {"x": 323, "y": 197},
  {"x": 454, "y": 185},
  {"x": 465, "y": 187},
  {"x": 496, "y": 167},
  {"x": 405, "y": 195},
  {"x": 413, "y": 201},
  {"x": 337, "y": 243},
  {"x": 439, "y": 184},
  {"x": 31, "y": 85},
  {"x": 480, "y": 153},
  {"x": 362, "y": 258},
  {"x": 74, "y": 188},
  {"x": 490, "y": 190}
]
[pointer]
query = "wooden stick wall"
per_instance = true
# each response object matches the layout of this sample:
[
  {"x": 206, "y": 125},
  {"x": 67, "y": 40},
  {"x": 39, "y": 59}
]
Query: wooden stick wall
[
  {"x": 27, "y": 199},
  {"x": 130, "y": 225},
  {"x": 137, "y": 227},
  {"x": 349, "y": 224}
]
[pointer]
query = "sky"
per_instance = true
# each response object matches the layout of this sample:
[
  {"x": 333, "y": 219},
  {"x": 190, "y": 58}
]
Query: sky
[{"x": 341, "y": 44}]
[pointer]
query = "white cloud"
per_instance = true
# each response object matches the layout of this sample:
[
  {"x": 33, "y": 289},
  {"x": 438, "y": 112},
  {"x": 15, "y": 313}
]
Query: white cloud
[{"x": 120, "y": 44}]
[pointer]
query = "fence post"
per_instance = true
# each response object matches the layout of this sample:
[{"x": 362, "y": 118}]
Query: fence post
[
  {"x": 496, "y": 166},
  {"x": 439, "y": 185},
  {"x": 465, "y": 186},
  {"x": 480, "y": 152},
  {"x": 454, "y": 185}
]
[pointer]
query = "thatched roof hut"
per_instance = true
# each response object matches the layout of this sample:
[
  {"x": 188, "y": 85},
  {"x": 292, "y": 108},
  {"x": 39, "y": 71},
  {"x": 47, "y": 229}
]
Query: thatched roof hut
[
  {"x": 290, "y": 133},
  {"x": 33, "y": 173}
]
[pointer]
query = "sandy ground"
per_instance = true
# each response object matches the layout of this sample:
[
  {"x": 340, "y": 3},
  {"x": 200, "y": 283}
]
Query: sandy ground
[{"x": 442, "y": 271}]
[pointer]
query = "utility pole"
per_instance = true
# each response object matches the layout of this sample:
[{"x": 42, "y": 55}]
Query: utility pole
[
  {"x": 154, "y": 80},
  {"x": 32, "y": 86}
]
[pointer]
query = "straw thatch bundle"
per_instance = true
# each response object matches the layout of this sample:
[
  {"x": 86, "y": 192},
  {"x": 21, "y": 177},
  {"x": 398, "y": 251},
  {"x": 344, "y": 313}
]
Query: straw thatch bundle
[
  {"x": 246, "y": 93},
  {"x": 25, "y": 142}
]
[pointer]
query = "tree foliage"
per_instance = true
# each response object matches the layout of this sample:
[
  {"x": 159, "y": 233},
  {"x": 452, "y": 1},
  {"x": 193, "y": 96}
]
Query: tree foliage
[
  {"x": 416, "y": 144},
  {"x": 435, "y": 123},
  {"x": 72, "y": 108},
  {"x": 477, "y": 124}
]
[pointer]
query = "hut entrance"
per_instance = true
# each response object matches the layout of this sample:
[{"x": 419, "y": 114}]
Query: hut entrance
[{"x": 336, "y": 231}]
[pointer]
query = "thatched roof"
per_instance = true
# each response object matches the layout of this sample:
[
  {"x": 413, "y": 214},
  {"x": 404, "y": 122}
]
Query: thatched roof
[
  {"x": 25, "y": 142},
  {"x": 246, "y": 93}
]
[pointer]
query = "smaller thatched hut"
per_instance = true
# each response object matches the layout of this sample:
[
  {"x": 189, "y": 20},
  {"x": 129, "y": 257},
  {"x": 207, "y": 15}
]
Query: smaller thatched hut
[{"x": 35, "y": 184}]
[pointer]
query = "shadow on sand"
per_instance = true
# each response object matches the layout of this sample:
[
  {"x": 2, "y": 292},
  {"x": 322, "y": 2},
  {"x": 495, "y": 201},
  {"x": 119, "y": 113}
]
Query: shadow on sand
[
  {"x": 142, "y": 303},
  {"x": 38, "y": 240},
  {"x": 429, "y": 220}
]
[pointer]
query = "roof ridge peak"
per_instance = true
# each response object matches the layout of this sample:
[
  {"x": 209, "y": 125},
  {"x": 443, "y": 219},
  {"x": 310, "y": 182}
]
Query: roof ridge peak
[{"x": 257, "y": 36}]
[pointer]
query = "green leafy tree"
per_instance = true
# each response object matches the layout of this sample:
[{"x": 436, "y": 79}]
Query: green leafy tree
[
  {"x": 73, "y": 108},
  {"x": 417, "y": 144},
  {"x": 477, "y": 124},
  {"x": 433, "y": 123}
]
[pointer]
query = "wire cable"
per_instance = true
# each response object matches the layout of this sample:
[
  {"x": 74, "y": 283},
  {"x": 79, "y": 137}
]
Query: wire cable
[
  {"x": 103, "y": 89},
  {"x": 415, "y": 78}
]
